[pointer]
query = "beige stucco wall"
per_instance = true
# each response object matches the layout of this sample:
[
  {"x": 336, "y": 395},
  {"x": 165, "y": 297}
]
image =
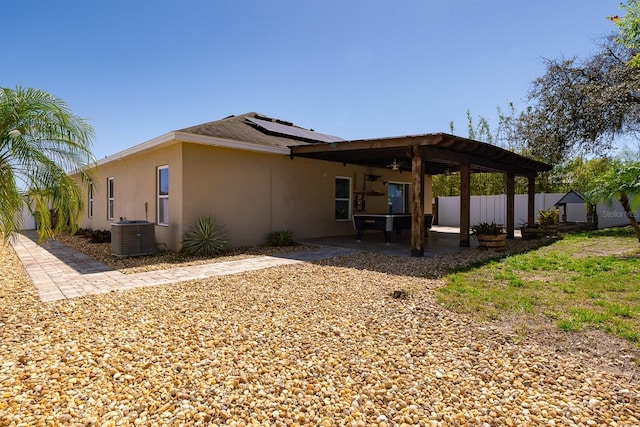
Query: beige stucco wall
[
  {"x": 252, "y": 193},
  {"x": 249, "y": 193},
  {"x": 135, "y": 192}
]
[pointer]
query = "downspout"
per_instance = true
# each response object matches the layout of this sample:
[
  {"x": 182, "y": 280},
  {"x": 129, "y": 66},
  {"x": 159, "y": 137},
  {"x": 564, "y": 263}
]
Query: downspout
[{"x": 270, "y": 199}]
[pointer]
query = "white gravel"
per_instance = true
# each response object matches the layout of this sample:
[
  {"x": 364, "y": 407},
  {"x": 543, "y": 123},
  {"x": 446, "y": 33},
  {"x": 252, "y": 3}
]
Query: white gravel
[{"x": 310, "y": 344}]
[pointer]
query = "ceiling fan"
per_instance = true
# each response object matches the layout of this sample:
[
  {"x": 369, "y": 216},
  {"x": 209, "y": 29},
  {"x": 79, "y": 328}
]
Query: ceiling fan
[{"x": 395, "y": 166}]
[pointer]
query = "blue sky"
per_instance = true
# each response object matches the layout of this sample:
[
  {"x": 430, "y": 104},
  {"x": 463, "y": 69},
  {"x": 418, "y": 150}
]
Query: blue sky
[{"x": 137, "y": 69}]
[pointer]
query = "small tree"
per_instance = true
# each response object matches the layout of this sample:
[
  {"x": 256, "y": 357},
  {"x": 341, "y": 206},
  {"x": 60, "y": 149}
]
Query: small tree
[
  {"x": 580, "y": 107},
  {"x": 620, "y": 182},
  {"x": 40, "y": 142},
  {"x": 577, "y": 174}
]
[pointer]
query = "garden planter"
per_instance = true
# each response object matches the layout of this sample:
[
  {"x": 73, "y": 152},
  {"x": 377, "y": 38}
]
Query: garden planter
[
  {"x": 492, "y": 241},
  {"x": 532, "y": 233},
  {"x": 550, "y": 229}
]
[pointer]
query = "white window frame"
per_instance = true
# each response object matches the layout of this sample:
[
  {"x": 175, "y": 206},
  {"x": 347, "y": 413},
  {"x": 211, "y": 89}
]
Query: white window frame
[
  {"x": 342, "y": 199},
  {"x": 160, "y": 198},
  {"x": 90, "y": 201},
  {"x": 110, "y": 198},
  {"x": 406, "y": 189}
]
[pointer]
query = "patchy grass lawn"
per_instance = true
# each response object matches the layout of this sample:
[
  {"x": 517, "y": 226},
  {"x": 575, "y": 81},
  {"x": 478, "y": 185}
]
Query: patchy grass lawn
[{"x": 585, "y": 280}]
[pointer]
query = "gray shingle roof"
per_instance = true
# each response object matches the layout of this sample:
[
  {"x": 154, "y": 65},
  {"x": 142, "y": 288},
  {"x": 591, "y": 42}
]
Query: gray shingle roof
[
  {"x": 252, "y": 128},
  {"x": 571, "y": 197}
]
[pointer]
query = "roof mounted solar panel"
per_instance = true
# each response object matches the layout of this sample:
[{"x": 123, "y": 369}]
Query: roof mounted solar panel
[
  {"x": 282, "y": 128},
  {"x": 263, "y": 117}
]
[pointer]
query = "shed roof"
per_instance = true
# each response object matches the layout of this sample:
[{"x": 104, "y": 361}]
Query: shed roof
[{"x": 571, "y": 197}]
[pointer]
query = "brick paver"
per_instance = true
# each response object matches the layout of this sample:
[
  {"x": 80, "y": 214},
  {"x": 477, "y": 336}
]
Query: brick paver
[{"x": 60, "y": 272}]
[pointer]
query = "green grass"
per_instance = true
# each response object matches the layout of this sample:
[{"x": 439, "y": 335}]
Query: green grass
[{"x": 585, "y": 280}]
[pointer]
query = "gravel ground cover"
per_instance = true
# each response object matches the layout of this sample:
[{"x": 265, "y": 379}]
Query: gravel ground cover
[{"x": 310, "y": 344}]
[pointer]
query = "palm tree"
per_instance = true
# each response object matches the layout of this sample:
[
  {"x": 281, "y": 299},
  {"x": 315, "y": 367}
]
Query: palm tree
[
  {"x": 41, "y": 141},
  {"x": 622, "y": 182}
]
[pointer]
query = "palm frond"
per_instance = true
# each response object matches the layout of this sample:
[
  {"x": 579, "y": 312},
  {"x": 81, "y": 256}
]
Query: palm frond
[{"x": 41, "y": 142}]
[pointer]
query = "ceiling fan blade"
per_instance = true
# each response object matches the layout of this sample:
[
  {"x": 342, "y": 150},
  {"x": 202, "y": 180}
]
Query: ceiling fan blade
[{"x": 395, "y": 165}]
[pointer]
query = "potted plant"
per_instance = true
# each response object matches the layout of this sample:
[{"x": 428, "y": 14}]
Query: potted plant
[
  {"x": 532, "y": 231},
  {"x": 489, "y": 235},
  {"x": 548, "y": 219}
]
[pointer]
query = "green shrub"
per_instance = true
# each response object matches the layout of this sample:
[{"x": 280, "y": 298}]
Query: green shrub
[
  {"x": 280, "y": 238},
  {"x": 94, "y": 236},
  {"x": 100, "y": 236},
  {"x": 205, "y": 238},
  {"x": 548, "y": 216},
  {"x": 487, "y": 229}
]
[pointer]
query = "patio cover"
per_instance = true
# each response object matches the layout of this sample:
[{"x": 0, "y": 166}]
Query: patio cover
[
  {"x": 433, "y": 154},
  {"x": 442, "y": 153}
]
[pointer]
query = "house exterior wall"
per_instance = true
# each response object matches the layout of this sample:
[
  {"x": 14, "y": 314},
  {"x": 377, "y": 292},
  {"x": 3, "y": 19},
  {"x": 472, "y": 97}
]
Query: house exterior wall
[
  {"x": 249, "y": 193},
  {"x": 252, "y": 194},
  {"x": 232, "y": 186},
  {"x": 135, "y": 192}
]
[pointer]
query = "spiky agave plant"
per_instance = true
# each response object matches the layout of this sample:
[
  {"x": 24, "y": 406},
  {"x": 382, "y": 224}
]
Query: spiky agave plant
[{"x": 205, "y": 238}]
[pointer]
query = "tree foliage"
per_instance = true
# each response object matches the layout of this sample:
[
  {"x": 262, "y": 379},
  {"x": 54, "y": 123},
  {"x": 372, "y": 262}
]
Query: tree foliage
[
  {"x": 629, "y": 27},
  {"x": 40, "y": 142},
  {"x": 621, "y": 181},
  {"x": 577, "y": 110},
  {"x": 579, "y": 107},
  {"x": 577, "y": 174}
]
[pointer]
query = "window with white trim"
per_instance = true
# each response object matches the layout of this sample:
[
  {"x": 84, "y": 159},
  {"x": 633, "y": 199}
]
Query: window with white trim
[
  {"x": 90, "y": 201},
  {"x": 398, "y": 197},
  {"x": 342, "y": 198},
  {"x": 110, "y": 198},
  {"x": 163, "y": 196}
]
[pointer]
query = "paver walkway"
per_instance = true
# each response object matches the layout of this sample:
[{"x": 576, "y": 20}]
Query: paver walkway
[{"x": 60, "y": 272}]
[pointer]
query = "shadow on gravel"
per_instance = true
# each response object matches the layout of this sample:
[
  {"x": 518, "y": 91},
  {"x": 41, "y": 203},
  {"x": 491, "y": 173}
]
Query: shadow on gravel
[{"x": 435, "y": 264}]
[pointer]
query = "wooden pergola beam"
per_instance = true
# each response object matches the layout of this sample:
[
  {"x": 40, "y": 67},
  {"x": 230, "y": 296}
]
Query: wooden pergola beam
[
  {"x": 435, "y": 147},
  {"x": 511, "y": 190},
  {"x": 465, "y": 204},
  {"x": 531, "y": 201},
  {"x": 442, "y": 153},
  {"x": 417, "y": 203},
  {"x": 488, "y": 164}
]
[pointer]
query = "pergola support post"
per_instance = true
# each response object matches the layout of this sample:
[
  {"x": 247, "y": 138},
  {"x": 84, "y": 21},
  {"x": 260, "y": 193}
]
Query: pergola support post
[
  {"x": 531, "y": 200},
  {"x": 417, "y": 205},
  {"x": 465, "y": 204},
  {"x": 511, "y": 191}
]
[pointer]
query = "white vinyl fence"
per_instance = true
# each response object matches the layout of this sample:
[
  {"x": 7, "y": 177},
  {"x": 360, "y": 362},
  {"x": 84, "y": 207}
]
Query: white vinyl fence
[
  {"x": 491, "y": 208},
  {"x": 494, "y": 209},
  {"x": 28, "y": 220}
]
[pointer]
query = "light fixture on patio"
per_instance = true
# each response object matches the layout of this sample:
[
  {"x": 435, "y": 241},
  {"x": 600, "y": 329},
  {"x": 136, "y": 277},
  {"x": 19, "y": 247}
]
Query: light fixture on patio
[{"x": 395, "y": 166}]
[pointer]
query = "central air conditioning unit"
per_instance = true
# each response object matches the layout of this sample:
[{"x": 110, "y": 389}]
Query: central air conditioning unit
[{"x": 133, "y": 238}]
